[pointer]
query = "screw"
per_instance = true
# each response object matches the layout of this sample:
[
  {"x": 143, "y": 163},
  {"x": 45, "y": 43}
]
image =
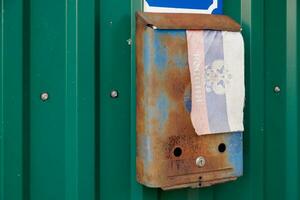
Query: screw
[
  {"x": 129, "y": 41},
  {"x": 200, "y": 161},
  {"x": 114, "y": 94},
  {"x": 277, "y": 89},
  {"x": 44, "y": 96}
]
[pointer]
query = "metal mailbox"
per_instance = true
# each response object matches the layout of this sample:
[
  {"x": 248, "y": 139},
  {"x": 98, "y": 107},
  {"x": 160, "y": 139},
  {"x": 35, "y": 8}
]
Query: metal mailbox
[{"x": 169, "y": 152}]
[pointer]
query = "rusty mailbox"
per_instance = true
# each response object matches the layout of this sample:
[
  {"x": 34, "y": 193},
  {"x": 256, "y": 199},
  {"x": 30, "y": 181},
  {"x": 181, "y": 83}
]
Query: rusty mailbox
[{"x": 169, "y": 152}]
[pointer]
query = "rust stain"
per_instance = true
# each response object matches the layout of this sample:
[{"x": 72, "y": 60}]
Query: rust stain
[
  {"x": 188, "y": 21},
  {"x": 140, "y": 112},
  {"x": 169, "y": 127}
]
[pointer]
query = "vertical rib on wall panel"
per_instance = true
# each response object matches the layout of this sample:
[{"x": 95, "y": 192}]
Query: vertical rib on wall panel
[
  {"x": 114, "y": 113},
  {"x": 1, "y": 104},
  {"x": 86, "y": 99},
  {"x": 253, "y": 31},
  {"x": 13, "y": 97},
  {"x": 292, "y": 108},
  {"x": 48, "y": 118},
  {"x": 71, "y": 100},
  {"x": 275, "y": 75},
  {"x": 298, "y": 89},
  {"x": 136, "y": 192}
]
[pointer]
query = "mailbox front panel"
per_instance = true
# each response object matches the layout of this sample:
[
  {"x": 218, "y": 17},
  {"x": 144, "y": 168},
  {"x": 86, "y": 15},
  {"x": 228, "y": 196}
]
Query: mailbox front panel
[{"x": 169, "y": 152}]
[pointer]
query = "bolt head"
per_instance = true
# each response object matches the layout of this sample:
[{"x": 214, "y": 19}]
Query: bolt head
[
  {"x": 44, "y": 96},
  {"x": 129, "y": 41},
  {"x": 276, "y": 89},
  {"x": 114, "y": 94},
  {"x": 200, "y": 161}
]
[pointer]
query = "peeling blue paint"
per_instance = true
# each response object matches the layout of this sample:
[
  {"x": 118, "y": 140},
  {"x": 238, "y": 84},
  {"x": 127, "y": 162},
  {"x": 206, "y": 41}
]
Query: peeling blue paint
[
  {"x": 176, "y": 33},
  {"x": 150, "y": 113},
  {"x": 147, "y": 53},
  {"x": 188, "y": 103},
  {"x": 235, "y": 152},
  {"x": 180, "y": 61},
  {"x": 187, "y": 100},
  {"x": 146, "y": 149},
  {"x": 160, "y": 57},
  {"x": 161, "y": 53},
  {"x": 163, "y": 109}
]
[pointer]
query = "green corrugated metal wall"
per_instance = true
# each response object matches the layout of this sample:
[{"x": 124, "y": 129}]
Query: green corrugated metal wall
[{"x": 80, "y": 144}]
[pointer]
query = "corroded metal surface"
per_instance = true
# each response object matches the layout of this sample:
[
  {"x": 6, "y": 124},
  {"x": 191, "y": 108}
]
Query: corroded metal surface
[
  {"x": 189, "y": 21},
  {"x": 167, "y": 145}
]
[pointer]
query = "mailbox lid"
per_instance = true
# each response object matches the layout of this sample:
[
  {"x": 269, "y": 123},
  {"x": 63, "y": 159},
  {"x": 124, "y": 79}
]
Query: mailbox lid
[{"x": 188, "y": 21}]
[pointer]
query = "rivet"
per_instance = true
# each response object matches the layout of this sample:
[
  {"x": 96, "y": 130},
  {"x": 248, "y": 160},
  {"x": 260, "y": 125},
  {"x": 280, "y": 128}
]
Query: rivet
[
  {"x": 129, "y": 41},
  {"x": 200, "y": 161},
  {"x": 44, "y": 96},
  {"x": 114, "y": 94},
  {"x": 276, "y": 89}
]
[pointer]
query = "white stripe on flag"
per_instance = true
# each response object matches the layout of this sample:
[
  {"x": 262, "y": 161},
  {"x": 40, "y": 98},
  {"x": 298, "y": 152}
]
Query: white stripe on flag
[{"x": 233, "y": 46}]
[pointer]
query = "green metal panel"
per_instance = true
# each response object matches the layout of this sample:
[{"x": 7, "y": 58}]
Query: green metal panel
[{"x": 80, "y": 144}]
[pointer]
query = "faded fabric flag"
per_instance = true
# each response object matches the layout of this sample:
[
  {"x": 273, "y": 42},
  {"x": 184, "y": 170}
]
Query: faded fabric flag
[{"x": 216, "y": 63}]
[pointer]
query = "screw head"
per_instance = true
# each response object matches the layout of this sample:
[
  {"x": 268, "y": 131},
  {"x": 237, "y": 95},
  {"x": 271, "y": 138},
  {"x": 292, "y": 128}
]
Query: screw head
[
  {"x": 114, "y": 94},
  {"x": 129, "y": 41},
  {"x": 200, "y": 161},
  {"x": 44, "y": 96},
  {"x": 276, "y": 89}
]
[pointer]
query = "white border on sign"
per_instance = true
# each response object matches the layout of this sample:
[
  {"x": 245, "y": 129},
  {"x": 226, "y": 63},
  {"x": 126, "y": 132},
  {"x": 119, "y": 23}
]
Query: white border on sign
[{"x": 148, "y": 8}]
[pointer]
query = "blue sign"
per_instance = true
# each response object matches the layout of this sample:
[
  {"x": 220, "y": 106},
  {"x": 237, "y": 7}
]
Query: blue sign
[{"x": 194, "y": 6}]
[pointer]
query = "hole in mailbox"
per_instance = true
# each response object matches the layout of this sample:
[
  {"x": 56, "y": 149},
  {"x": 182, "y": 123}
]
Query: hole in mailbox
[
  {"x": 222, "y": 148},
  {"x": 177, "y": 152}
]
